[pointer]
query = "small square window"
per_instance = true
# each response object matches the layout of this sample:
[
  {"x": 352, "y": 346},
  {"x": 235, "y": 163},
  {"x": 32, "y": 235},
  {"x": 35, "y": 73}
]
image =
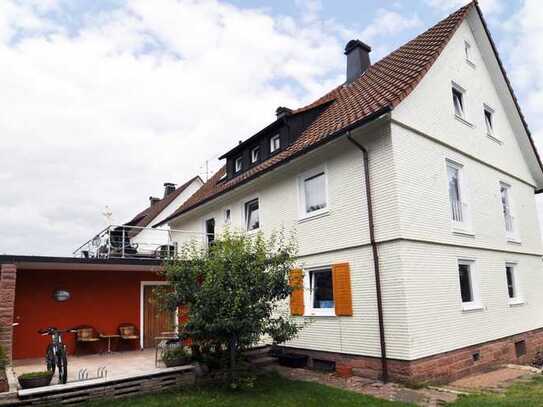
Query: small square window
[
  {"x": 489, "y": 121},
  {"x": 458, "y": 101},
  {"x": 252, "y": 218},
  {"x": 275, "y": 143},
  {"x": 238, "y": 164},
  {"x": 227, "y": 218},
  {"x": 255, "y": 155}
]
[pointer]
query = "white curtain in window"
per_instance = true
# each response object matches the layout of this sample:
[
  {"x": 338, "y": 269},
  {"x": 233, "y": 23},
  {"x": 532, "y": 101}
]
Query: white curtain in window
[
  {"x": 315, "y": 193},
  {"x": 454, "y": 193}
]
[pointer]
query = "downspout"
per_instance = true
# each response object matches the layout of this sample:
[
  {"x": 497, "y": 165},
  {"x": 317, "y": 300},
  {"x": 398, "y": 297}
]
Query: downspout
[{"x": 375, "y": 253}]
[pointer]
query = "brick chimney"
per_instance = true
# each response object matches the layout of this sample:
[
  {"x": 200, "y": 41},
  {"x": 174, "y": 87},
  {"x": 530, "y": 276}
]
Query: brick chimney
[
  {"x": 153, "y": 200},
  {"x": 168, "y": 188}
]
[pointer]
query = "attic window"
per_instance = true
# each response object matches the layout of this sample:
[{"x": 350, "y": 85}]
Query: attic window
[
  {"x": 255, "y": 155},
  {"x": 489, "y": 121},
  {"x": 458, "y": 102},
  {"x": 238, "y": 164},
  {"x": 275, "y": 143},
  {"x": 467, "y": 51}
]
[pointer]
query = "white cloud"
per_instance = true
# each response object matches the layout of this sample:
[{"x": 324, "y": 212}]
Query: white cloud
[
  {"x": 137, "y": 96},
  {"x": 489, "y": 7}
]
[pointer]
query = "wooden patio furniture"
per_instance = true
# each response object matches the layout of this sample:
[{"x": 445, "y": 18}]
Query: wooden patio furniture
[
  {"x": 129, "y": 333},
  {"x": 85, "y": 334}
]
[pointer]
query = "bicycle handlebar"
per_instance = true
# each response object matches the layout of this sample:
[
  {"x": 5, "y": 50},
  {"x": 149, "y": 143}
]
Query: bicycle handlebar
[{"x": 53, "y": 330}]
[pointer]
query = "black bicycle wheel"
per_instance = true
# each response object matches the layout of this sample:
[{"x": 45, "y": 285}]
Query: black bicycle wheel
[
  {"x": 50, "y": 359},
  {"x": 62, "y": 363}
]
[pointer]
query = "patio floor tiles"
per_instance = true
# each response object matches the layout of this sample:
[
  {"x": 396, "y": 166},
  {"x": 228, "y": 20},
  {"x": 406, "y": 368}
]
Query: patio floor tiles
[{"x": 117, "y": 364}]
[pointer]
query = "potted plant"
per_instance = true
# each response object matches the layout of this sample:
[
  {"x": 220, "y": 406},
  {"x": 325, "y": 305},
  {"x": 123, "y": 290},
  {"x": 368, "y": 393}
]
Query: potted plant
[
  {"x": 35, "y": 379},
  {"x": 177, "y": 356}
]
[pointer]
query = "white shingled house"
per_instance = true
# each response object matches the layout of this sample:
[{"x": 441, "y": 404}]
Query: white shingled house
[{"x": 411, "y": 191}]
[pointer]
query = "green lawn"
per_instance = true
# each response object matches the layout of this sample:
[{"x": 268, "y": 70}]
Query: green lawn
[
  {"x": 272, "y": 391},
  {"x": 519, "y": 395}
]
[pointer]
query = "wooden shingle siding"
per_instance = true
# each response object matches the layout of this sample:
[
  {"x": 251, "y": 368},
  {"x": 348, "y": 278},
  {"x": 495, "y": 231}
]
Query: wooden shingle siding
[
  {"x": 341, "y": 276},
  {"x": 296, "y": 280}
]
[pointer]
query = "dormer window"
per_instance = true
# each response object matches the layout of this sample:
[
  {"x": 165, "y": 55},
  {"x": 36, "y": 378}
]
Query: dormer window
[
  {"x": 275, "y": 143},
  {"x": 255, "y": 155},
  {"x": 238, "y": 164}
]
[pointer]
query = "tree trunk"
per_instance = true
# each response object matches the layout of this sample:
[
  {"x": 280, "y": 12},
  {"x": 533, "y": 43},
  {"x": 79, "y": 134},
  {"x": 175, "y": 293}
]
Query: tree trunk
[{"x": 233, "y": 348}]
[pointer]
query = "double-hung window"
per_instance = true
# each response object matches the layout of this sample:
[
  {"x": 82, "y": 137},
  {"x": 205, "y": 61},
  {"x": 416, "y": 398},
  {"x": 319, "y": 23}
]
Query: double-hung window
[
  {"x": 210, "y": 231},
  {"x": 275, "y": 143},
  {"x": 252, "y": 217},
  {"x": 457, "y": 196},
  {"x": 313, "y": 194},
  {"x": 469, "y": 284},
  {"x": 507, "y": 209},
  {"x": 511, "y": 278},
  {"x": 320, "y": 296}
]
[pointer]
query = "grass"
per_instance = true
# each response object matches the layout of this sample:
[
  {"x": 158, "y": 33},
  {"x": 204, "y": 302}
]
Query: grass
[
  {"x": 529, "y": 394},
  {"x": 269, "y": 391}
]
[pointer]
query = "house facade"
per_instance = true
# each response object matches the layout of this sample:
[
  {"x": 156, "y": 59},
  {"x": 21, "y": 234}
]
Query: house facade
[{"x": 411, "y": 192}]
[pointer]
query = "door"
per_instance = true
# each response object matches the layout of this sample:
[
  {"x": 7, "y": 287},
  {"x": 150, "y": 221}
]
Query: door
[{"x": 155, "y": 320}]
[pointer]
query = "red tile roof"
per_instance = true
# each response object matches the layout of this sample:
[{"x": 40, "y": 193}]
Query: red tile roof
[
  {"x": 382, "y": 87},
  {"x": 145, "y": 217}
]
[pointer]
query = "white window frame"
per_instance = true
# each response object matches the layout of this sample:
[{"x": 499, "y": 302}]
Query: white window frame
[
  {"x": 475, "y": 282},
  {"x": 512, "y": 235},
  {"x": 236, "y": 161},
  {"x": 308, "y": 295},
  {"x": 517, "y": 297},
  {"x": 244, "y": 214},
  {"x": 464, "y": 226},
  {"x": 254, "y": 151},
  {"x": 468, "y": 53},
  {"x": 273, "y": 148},
  {"x": 463, "y": 116},
  {"x": 302, "y": 212},
  {"x": 227, "y": 216},
  {"x": 489, "y": 131}
]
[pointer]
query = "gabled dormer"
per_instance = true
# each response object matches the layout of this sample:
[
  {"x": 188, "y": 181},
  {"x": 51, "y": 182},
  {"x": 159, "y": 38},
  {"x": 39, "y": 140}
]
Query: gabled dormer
[{"x": 271, "y": 140}]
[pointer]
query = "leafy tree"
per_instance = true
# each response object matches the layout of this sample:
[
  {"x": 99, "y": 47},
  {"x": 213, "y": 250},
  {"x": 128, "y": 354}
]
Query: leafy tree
[{"x": 232, "y": 291}]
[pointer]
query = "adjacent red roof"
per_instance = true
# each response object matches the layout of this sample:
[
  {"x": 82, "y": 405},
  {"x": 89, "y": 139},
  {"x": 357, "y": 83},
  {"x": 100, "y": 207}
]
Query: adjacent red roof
[
  {"x": 145, "y": 217},
  {"x": 382, "y": 87}
]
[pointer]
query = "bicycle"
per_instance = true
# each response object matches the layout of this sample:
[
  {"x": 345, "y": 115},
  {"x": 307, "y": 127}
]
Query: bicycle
[{"x": 55, "y": 355}]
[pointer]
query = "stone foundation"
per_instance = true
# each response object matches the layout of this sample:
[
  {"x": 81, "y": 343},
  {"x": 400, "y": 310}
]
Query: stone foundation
[{"x": 440, "y": 368}]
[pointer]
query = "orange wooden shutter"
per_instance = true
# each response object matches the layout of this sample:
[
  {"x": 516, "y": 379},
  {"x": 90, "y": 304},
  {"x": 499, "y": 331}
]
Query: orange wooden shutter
[
  {"x": 341, "y": 277},
  {"x": 296, "y": 280}
]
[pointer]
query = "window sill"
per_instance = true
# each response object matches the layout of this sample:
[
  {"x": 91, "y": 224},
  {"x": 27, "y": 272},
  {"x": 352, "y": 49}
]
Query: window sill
[
  {"x": 513, "y": 240},
  {"x": 516, "y": 301},
  {"x": 472, "y": 307},
  {"x": 463, "y": 231},
  {"x": 494, "y": 139},
  {"x": 470, "y": 63},
  {"x": 314, "y": 215},
  {"x": 331, "y": 312},
  {"x": 462, "y": 120}
]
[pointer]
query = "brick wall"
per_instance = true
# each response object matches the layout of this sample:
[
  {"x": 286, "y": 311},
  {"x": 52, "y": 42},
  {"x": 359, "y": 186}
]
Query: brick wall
[
  {"x": 443, "y": 367},
  {"x": 8, "y": 274}
]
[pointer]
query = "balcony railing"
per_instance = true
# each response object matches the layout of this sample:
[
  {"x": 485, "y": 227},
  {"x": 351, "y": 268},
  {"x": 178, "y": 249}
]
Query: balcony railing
[{"x": 134, "y": 242}]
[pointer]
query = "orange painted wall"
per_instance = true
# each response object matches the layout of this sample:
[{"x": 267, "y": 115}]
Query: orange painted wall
[{"x": 102, "y": 299}]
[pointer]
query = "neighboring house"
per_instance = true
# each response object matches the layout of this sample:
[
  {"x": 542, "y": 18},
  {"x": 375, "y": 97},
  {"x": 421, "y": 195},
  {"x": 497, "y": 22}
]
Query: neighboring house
[
  {"x": 159, "y": 209},
  {"x": 411, "y": 190}
]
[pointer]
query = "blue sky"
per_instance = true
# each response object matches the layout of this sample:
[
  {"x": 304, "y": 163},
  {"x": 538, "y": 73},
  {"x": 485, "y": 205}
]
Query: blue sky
[{"x": 104, "y": 101}]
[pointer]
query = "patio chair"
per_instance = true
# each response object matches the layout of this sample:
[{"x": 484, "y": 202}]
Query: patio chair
[
  {"x": 129, "y": 333},
  {"x": 118, "y": 243},
  {"x": 85, "y": 334}
]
